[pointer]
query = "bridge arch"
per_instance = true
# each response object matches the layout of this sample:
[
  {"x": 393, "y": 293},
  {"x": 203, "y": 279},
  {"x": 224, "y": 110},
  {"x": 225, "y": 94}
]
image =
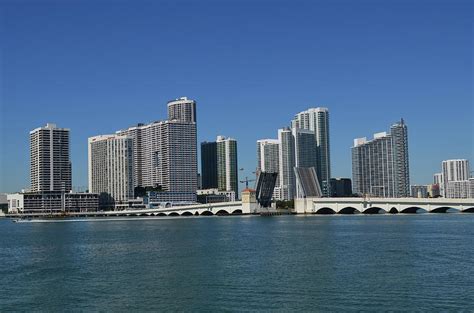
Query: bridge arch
[
  {"x": 412, "y": 210},
  {"x": 325, "y": 210},
  {"x": 186, "y": 213},
  {"x": 348, "y": 210},
  {"x": 161, "y": 214},
  {"x": 222, "y": 212},
  {"x": 207, "y": 213},
  {"x": 393, "y": 210},
  {"x": 373, "y": 210},
  {"x": 173, "y": 214},
  {"x": 468, "y": 210},
  {"x": 444, "y": 209},
  {"x": 237, "y": 212}
]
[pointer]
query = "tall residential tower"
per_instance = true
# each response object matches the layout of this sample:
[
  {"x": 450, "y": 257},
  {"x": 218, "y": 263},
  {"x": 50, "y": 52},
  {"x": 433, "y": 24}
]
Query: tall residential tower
[
  {"x": 165, "y": 152},
  {"x": 380, "y": 166},
  {"x": 456, "y": 175},
  {"x": 227, "y": 168},
  {"x": 268, "y": 160},
  {"x": 50, "y": 165},
  {"x": 286, "y": 160},
  {"x": 110, "y": 159},
  {"x": 317, "y": 120},
  {"x": 182, "y": 109}
]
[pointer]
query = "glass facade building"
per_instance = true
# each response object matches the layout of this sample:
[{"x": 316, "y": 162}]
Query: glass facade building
[{"x": 209, "y": 165}]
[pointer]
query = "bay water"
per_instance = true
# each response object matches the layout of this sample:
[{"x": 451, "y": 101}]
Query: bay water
[{"x": 385, "y": 262}]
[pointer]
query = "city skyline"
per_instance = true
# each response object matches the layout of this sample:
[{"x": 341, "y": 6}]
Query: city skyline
[
  {"x": 365, "y": 89},
  {"x": 119, "y": 132}
]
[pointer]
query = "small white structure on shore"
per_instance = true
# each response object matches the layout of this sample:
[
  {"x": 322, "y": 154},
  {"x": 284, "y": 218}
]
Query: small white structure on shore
[{"x": 250, "y": 204}]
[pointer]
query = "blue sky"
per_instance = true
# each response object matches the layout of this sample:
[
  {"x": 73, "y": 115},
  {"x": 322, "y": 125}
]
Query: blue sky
[{"x": 99, "y": 66}]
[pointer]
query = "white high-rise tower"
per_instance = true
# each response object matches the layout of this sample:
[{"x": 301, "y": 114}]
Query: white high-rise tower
[
  {"x": 268, "y": 160},
  {"x": 110, "y": 159},
  {"x": 317, "y": 120},
  {"x": 182, "y": 109},
  {"x": 380, "y": 166},
  {"x": 50, "y": 166},
  {"x": 456, "y": 174},
  {"x": 227, "y": 168},
  {"x": 286, "y": 160}
]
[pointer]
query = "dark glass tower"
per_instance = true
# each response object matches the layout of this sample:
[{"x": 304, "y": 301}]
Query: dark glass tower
[{"x": 209, "y": 165}]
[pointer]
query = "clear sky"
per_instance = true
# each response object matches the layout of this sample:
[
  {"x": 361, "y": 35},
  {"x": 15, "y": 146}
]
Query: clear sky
[{"x": 99, "y": 66}]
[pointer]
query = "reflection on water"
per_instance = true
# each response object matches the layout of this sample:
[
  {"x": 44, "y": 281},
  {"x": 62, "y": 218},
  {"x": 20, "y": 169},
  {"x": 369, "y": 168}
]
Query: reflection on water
[{"x": 421, "y": 262}]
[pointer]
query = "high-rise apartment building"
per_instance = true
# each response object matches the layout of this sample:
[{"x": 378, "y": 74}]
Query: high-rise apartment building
[
  {"x": 227, "y": 168},
  {"x": 182, "y": 109},
  {"x": 111, "y": 174},
  {"x": 286, "y": 160},
  {"x": 305, "y": 150},
  {"x": 297, "y": 149},
  {"x": 305, "y": 154},
  {"x": 209, "y": 165},
  {"x": 267, "y": 155},
  {"x": 317, "y": 120},
  {"x": 50, "y": 165},
  {"x": 380, "y": 166},
  {"x": 399, "y": 133},
  {"x": 455, "y": 178},
  {"x": 454, "y": 170},
  {"x": 165, "y": 152},
  {"x": 168, "y": 156},
  {"x": 438, "y": 180},
  {"x": 268, "y": 160},
  {"x": 136, "y": 134}
]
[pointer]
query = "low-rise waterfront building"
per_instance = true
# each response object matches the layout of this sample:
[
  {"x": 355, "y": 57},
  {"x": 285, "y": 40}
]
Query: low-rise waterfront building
[
  {"x": 433, "y": 191},
  {"x": 52, "y": 202},
  {"x": 214, "y": 195},
  {"x": 172, "y": 198},
  {"x": 471, "y": 187},
  {"x": 419, "y": 191},
  {"x": 3, "y": 203},
  {"x": 460, "y": 189}
]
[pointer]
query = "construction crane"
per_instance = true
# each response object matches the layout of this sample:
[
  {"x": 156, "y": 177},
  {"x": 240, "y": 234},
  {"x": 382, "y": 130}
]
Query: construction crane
[{"x": 247, "y": 181}]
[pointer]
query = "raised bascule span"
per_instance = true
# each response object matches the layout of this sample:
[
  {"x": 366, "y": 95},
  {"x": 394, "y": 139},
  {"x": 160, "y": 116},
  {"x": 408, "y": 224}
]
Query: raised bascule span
[{"x": 313, "y": 205}]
